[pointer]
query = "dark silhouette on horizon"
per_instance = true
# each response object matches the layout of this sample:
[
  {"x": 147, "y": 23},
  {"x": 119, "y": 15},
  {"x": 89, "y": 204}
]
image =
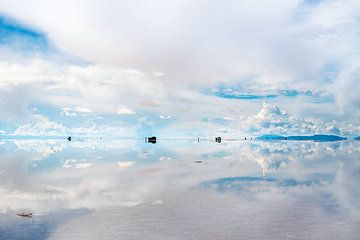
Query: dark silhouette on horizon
[{"x": 151, "y": 139}]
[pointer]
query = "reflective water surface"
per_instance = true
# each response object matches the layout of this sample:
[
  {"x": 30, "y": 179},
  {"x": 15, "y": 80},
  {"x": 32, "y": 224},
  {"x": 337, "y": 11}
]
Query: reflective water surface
[{"x": 126, "y": 189}]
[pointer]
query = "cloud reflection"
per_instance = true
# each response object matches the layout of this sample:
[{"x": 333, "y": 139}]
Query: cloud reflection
[{"x": 47, "y": 176}]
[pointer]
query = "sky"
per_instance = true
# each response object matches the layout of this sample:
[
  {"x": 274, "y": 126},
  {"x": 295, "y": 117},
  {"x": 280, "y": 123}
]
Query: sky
[{"x": 179, "y": 69}]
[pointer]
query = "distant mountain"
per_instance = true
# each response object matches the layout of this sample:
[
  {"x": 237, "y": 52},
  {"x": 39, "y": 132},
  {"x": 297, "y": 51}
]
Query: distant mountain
[
  {"x": 271, "y": 137},
  {"x": 316, "y": 138},
  {"x": 357, "y": 138}
]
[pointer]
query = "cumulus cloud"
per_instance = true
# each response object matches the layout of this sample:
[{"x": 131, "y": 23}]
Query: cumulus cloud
[
  {"x": 42, "y": 126},
  {"x": 82, "y": 89},
  {"x": 344, "y": 89},
  {"x": 158, "y": 57},
  {"x": 272, "y": 120}
]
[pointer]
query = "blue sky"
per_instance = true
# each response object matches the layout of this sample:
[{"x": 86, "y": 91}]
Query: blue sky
[
  {"x": 179, "y": 69},
  {"x": 20, "y": 38}
]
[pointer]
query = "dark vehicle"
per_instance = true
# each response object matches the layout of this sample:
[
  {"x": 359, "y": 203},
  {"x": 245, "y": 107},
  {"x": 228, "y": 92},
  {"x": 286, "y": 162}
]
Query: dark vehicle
[{"x": 151, "y": 140}]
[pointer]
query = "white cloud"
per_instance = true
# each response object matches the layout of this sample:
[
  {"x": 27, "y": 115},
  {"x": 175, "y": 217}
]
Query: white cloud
[
  {"x": 40, "y": 149},
  {"x": 41, "y": 126},
  {"x": 165, "y": 117},
  {"x": 126, "y": 111},
  {"x": 83, "y": 165},
  {"x": 280, "y": 44},
  {"x": 158, "y": 73},
  {"x": 187, "y": 39},
  {"x": 76, "y": 89},
  {"x": 344, "y": 89},
  {"x": 83, "y": 109},
  {"x": 73, "y": 112},
  {"x": 74, "y": 163},
  {"x": 272, "y": 120},
  {"x": 125, "y": 164},
  {"x": 68, "y": 112}
]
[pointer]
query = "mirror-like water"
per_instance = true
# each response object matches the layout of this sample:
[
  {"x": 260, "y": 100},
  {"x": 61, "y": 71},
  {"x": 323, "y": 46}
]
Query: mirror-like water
[{"x": 126, "y": 189}]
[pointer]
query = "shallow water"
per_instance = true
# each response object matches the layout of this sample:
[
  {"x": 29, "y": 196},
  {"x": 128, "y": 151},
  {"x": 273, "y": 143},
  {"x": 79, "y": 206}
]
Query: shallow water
[{"x": 127, "y": 189}]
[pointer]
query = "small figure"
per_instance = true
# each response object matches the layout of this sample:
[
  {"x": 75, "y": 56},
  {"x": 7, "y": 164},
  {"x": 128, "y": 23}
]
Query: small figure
[
  {"x": 218, "y": 139},
  {"x": 69, "y": 139}
]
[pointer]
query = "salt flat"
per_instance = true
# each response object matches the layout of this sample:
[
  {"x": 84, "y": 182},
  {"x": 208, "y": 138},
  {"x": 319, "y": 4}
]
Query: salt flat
[{"x": 126, "y": 189}]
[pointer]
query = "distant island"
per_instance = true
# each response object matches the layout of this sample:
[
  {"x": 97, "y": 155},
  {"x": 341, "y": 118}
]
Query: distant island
[
  {"x": 315, "y": 138},
  {"x": 357, "y": 138}
]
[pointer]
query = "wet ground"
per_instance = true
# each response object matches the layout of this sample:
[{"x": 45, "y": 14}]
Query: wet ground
[{"x": 126, "y": 189}]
